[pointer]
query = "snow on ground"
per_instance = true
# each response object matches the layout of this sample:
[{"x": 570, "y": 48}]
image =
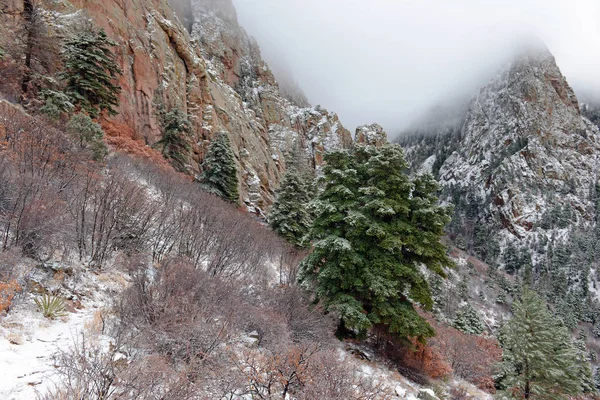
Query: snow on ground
[
  {"x": 28, "y": 341},
  {"x": 27, "y": 366}
]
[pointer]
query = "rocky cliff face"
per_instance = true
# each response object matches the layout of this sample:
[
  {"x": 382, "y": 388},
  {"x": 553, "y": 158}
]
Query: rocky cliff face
[
  {"x": 235, "y": 66},
  {"x": 522, "y": 156},
  {"x": 215, "y": 74}
]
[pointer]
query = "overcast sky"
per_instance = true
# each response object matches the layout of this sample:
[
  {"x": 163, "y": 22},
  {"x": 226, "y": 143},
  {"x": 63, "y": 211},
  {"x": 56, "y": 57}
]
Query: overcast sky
[{"x": 388, "y": 61}]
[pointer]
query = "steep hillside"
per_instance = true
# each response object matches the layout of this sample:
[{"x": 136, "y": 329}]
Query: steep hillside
[
  {"x": 216, "y": 75},
  {"x": 520, "y": 166},
  {"x": 521, "y": 152},
  {"x": 234, "y": 61},
  {"x": 162, "y": 288}
]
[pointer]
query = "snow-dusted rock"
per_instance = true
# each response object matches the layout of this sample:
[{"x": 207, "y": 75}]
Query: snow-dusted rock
[
  {"x": 371, "y": 135},
  {"x": 215, "y": 74},
  {"x": 520, "y": 151},
  {"x": 400, "y": 392},
  {"x": 427, "y": 394},
  {"x": 266, "y": 127}
]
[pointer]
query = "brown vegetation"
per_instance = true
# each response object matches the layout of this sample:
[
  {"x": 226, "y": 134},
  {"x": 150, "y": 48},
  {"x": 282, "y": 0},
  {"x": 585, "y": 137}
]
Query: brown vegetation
[
  {"x": 55, "y": 198},
  {"x": 451, "y": 352},
  {"x": 8, "y": 290},
  {"x": 198, "y": 316},
  {"x": 182, "y": 331}
]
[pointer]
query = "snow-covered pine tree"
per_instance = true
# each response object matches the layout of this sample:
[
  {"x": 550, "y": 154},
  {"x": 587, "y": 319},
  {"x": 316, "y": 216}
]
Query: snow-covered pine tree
[
  {"x": 501, "y": 299},
  {"x": 290, "y": 216},
  {"x": 467, "y": 320},
  {"x": 56, "y": 104},
  {"x": 89, "y": 72},
  {"x": 596, "y": 330},
  {"x": 174, "y": 144},
  {"x": 539, "y": 359},
  {"x": 512, "y": 261},
  {"x": 374, "y": 230},
  {"x": 463, "y": 290},
  {"x": 584, "y": 370},
  {"x": 220, "y": 171}
]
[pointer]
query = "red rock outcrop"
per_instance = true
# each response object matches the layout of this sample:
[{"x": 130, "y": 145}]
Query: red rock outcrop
[{"x": 216, "y": 75}]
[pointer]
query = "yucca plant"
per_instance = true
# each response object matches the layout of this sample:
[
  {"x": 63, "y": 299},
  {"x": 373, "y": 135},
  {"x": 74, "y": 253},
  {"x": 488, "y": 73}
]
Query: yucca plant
[{"x": 51, "y": 306}]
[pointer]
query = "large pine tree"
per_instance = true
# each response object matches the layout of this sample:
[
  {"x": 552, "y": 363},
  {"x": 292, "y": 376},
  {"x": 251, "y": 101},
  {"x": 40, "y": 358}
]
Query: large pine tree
[
  {"x": 89, "y": 72},
  {"x": 290, "y": 216},
  {"x": 539, "y": 359},
  {"x": 375, "y": 229},
  {"x": 220, "y": 171}
]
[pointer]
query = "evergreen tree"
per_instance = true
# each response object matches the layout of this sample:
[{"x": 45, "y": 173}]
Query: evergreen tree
[
  {"x": 539, "y": 359},
  {"x": 220, "y": 171},
  {"x": 461, "y": 242},
  {"x": 512, "y": 261},
  {"x": 467, "y": 320},
  {"x": 174, "y": 142},
  {"x": 374, "y": 230},
  {"x": 597, "y": 378},
  {"x": 596, "y": 329},
  {"x": 463, "y": 289},
  {"x": 90, "y": 71},
  {"x": 289, "y": 216},
  {"x": 56, "y": 103},
  {"x": 583, "y": 368},
  {"x": 88, "y": 134},
  {"x": 501, "y": 299}
]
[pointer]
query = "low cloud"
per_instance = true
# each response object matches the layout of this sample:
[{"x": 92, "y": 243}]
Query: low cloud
[{"x": 388, "y": 61}]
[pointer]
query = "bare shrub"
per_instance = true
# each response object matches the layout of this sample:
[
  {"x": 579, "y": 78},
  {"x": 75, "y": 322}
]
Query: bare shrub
[
  {"x": 458, "y": 393},
  {"x": 10, "y": 261},
  {"x": 88, "y": 371},
  {"x": 184, "y": 313},
  {"x": 305, "y": 321},
  {"x": 91, "y": 371},
  {"x": 335, "y": 379},
  {"x": 471, "y": 357},
  {"x": 188, "y": 222},
  {"x": 36, "y": 166},
  {"x": 288, "y": 260},
  {"x": 303, "y": 372},
  {"x": 8, "y": 290}
]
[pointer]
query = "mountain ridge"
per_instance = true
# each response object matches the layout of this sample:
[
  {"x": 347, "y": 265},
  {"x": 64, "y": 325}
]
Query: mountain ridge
[{"x": 522, "y": 159}]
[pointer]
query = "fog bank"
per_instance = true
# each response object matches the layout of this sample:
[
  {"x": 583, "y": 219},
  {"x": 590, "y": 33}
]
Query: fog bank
[{"x": 388, "y": 61}]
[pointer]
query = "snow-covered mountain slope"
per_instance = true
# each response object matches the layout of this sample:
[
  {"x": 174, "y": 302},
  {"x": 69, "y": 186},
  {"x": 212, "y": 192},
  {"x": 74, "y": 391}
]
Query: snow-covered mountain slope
[{"x": 521, "y": 154}]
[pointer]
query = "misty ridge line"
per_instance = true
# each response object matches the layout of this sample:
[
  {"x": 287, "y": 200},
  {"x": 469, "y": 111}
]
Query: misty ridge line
[{"x": 393, "y": 62}]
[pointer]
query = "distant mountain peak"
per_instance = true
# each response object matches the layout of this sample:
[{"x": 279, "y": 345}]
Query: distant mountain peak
[{"x": 521, "y": 143}]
